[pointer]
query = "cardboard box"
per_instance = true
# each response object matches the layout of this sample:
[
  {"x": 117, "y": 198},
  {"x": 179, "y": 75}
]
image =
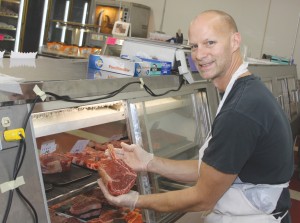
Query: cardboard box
[
  {"x": 148, "y": 49},
  {"x": 150, "y": 67},
  {"x": 102, "y": 74},
  {"x": 112, "y": 64}
]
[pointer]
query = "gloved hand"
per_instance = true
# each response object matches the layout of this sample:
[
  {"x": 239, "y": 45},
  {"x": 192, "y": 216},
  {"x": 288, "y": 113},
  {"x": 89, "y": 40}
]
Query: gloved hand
[
  {"x": 136, "y": 157},
  {"x": 125, "y": 200}
]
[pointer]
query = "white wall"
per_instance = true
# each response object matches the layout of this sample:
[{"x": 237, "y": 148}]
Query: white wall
[{"x": 267, "y": 26}]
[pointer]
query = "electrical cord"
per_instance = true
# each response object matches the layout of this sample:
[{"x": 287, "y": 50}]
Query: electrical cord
[
  {"x": 109, "y": 95},
  {"x": 11, "y": 192},
  {"x": 149, "y": 91},
  {"x": 114, "y": 93},
  {"x": 19, "y": 192},
  {"x": 17, "y": 166}
]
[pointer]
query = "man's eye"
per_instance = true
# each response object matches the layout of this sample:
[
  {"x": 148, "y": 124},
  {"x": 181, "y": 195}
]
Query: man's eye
[
  {"x": 194, "y": 46},
  {"x": 210, "y": 43}
]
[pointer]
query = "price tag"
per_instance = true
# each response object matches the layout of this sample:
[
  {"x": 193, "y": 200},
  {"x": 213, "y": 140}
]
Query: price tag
[
  {"x": 79, "y": 146},
  {"x": 111, "y": 41},
  {"x": 48, "y": 147}
]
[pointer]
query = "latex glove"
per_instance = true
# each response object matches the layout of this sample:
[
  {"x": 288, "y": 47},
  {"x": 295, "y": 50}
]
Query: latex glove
[
  {"x": 136, "y": 157},
  {"x": 125, "y": 200},
  {"x": 133, "y": 155}
]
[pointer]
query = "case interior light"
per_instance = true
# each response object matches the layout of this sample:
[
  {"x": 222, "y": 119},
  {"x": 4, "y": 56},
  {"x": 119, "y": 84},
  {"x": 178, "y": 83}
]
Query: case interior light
[
  {"x": 83, "y": 22},
  {"x": 63, "y": 33},
  {"x": 16, "y": 48},
  {"x": 43, "y": 23}
]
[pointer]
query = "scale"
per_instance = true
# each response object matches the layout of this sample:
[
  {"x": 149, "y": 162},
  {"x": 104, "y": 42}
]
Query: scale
[{"x": 186, "y": 66}]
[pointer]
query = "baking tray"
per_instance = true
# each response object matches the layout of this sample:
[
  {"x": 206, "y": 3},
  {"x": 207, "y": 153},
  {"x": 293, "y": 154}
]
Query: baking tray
[{"x": 76, "y": 173}]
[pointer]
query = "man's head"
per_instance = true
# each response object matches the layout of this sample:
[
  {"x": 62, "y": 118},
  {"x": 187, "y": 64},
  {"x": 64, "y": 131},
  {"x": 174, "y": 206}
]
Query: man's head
[{"x": 215, "y": 42}]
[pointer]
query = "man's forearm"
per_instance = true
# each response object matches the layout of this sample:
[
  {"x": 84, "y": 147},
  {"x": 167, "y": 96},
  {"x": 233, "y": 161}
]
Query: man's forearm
[
  {"x": 178, "y": 170},
  {"x": 180, "y": 201}
]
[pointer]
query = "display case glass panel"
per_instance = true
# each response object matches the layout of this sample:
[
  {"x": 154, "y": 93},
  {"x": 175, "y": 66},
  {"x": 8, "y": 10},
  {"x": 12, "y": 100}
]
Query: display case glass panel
[
  {"x": 284, "y": 97},
  {"x": 172, "y": 127},
  {"x": 66, "y": 29},
  {"x": 292, "y": 91}
]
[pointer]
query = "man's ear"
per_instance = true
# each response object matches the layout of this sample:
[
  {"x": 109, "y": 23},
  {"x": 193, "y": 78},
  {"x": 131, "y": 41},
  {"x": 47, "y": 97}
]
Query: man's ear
[{"x": 235, "y": 41}]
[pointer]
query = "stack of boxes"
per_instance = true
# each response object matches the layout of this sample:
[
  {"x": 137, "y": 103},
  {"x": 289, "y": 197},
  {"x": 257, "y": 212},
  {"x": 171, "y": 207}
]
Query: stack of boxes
[{"x": 137, "y": 67}]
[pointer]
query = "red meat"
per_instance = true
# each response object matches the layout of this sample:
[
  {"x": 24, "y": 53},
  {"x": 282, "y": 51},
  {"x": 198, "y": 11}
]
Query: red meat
[
  {"x": 115, "y": 143},
  {"x": 117, "y": 176},
  {"x": 98, "y": 194},
  {"x": 109, "y": 216},
  {"x": 90, "y": 214},
  {"x": 55, "y": 218},
  {"x": 83, "y": 204},
  {"x": 89, "y": 158},
  {"x": 71, "y": 220},
  {"x": 54, "y": 163}
]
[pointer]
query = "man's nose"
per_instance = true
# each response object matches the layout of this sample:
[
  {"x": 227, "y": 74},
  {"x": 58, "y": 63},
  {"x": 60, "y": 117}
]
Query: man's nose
[{"x": 200, "y": 53}]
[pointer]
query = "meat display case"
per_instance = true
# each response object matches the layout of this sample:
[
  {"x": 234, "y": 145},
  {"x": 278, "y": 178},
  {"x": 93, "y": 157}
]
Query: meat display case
[
  {"x": 172, "y": 125},
  {"x": 77, "y": 28},
  {"x": 179, "y": 116}
]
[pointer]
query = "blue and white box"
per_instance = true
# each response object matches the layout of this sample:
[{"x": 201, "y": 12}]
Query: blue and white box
[
  {"x": 151, "y": 67},
  {"x": 112, "y": 64}
]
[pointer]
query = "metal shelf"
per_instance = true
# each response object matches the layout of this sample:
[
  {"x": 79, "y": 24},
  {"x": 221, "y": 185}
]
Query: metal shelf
[
  {"x": 9, "y": 16},
  {"x": 58, "y": 194},
  {"x": 11, "y": 1},
  {"x": 7, "y": 28},
  {"x": 76, "y": 25},
  {"x": 53, "y": 122},
  {"x": 11, "y": 40}
]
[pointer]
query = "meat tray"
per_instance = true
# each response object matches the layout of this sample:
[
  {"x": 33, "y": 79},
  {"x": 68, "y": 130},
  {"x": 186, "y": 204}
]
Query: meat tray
[
  {"x": 48, "y": 187},
  {"x": 76, "y": 173}
]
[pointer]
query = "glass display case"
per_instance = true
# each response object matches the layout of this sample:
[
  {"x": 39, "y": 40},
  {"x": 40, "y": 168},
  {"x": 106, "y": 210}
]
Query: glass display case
[
  {"x": 105, "y": 13},
  {"x": 12, "y": 20},
  {"x": 65, "y": 29},
  {"x": 172, "y": 125},
  {"x": 77, "y": 28}
]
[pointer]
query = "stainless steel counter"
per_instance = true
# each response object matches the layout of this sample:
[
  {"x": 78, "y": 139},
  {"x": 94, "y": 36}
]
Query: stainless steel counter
[
  {"x": 44, "y": 69},
  {"x": 73, "y": 78}
]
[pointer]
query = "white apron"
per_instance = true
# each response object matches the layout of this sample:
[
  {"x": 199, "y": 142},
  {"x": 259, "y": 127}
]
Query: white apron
[{"x": 243, "y": 202}]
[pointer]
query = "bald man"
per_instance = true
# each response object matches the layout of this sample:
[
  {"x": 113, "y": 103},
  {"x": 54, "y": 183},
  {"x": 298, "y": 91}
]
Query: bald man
[{"x": 246, "y": 163}]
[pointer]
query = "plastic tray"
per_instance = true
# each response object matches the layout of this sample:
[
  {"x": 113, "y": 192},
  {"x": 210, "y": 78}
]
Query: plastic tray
[{"x": 74, "y": 174}]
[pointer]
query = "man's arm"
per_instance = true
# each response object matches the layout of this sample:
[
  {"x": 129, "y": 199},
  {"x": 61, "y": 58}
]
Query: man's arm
[
  {"x": 178, "y": 170},
  {"x": 140, "y": 160},
  {"x": 210, "y": 187}
]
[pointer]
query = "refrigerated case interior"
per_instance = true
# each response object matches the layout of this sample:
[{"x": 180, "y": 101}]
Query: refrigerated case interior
[
  {"x": 66, "y": 29},
  {"x": 76, "y": 28},
  {"x": 105, "y": 13},
  {"x": 12, "y": 16},
  {"x": 171, "y": 127}
]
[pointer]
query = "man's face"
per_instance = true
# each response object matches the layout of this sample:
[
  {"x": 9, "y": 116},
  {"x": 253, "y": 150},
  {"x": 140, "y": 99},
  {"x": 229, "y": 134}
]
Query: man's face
[{"x": 211, "y": 47}]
